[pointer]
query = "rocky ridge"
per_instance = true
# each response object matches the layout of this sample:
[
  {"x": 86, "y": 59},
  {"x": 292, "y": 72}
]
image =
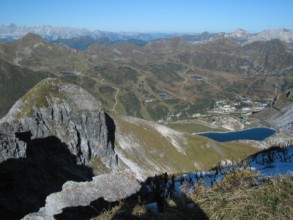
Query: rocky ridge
[
  {"x": 109, "y": 187},
  {"x": 51, "y": 33},
  {"x": 56, "y": 108},
  {"x": 279, "y": 112},
  {"x": 243, "y": 37},
  {"x": 52, "y": 135}
]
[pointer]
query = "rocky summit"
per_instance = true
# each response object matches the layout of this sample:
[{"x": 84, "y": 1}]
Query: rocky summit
[
  {"x": 63, "y": 110},
  {"x": 51, "y": 135}
]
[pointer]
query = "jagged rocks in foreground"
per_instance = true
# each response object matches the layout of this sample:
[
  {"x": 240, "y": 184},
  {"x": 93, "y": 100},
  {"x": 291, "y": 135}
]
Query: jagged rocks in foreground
[{"x": 106, "y": 188}]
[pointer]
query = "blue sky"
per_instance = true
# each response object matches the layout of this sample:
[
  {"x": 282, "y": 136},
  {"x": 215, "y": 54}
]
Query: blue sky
[{"x": 151, "y": 15}]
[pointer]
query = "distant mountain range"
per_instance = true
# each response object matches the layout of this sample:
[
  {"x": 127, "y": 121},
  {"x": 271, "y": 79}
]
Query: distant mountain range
[
  {"x": 243, "y": 37},
  {"x": 50, "y": 33},
  {"x": 62, "y": 34}
]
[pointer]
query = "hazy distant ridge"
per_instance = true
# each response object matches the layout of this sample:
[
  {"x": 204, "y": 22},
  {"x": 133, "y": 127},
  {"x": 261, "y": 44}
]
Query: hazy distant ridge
[
  {"x": 13, "y": 32},
  {"x": 49, "y": 32}
]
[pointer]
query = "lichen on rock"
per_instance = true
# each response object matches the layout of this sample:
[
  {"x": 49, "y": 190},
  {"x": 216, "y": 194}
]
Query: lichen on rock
[
  {"x": 52, "y": 135},
  {"x": 64, "y": 110}
]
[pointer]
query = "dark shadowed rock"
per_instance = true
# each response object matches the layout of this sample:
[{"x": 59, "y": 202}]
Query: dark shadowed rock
[
  {"x": 50, "y": 136},
  {"x": 108, "y": 187},
  {"x": 63, "y": 110},
  {"x": 26, "y": 182}
]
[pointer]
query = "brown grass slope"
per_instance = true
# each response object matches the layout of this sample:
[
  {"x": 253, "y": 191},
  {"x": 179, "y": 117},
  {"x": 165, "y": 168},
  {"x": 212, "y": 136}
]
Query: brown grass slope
[
  {"x": 149, "y": 148},
  {"x": 271, "y": 200},
  {"x": 142, "y": 73},
  {"x": 33, "y": 52}
]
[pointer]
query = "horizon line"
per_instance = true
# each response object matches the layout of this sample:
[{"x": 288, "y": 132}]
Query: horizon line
[{"x": 129, "y": 31}]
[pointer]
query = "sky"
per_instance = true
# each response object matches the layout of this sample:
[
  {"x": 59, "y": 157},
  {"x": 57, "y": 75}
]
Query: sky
[{"x": 182, "y": 16}]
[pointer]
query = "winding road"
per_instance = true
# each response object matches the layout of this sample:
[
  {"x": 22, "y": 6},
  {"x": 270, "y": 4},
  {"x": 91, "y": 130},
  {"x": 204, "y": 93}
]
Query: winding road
[{"x": 116, "y": 100}]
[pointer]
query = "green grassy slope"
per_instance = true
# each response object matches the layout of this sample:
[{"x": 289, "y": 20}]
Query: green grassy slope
[
  {"x": 149, "y": 148},
  {"x": 15, "y": 82}
]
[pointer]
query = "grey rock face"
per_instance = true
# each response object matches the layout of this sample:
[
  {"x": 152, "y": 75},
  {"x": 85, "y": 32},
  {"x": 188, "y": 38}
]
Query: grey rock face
[
  {"x": 111, "y": 187},
  {"x": 49, "y": 137},
  {"x": 66, "y": 112},
  {"x": 27, "y": 181},
  {"x": 11, "y": 147},
  {"x": 279, "y": 114}
]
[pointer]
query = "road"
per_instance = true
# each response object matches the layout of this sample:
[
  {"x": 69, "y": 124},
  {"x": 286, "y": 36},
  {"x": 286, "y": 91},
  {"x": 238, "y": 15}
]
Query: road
[{"x": 116, "y": 100}]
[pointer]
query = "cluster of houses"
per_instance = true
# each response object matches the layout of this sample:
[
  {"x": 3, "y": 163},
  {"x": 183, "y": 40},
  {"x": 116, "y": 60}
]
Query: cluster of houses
[
  {"x": 244, "y": 106},
  {"x": 161, "y": 96}
]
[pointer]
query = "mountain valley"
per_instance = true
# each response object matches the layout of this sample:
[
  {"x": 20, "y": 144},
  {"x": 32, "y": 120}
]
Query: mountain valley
[
  {"x": 164, "y": 78},
  {"x": 85, "y": 111}
]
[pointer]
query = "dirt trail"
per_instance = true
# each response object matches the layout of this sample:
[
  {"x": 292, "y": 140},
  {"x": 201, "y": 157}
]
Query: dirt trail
[{"x": 116, "y": 100}]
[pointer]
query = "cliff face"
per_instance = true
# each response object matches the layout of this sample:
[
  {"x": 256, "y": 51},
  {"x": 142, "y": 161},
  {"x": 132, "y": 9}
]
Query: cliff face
[
  {"x": 50, "y": 136},
  {"x": 279, "y": 114},
  {"x": 63, "y": 110},
  {"x": 10, "y": 146}
]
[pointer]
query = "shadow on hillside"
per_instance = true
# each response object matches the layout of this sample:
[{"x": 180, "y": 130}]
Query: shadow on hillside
[
  {"x": 173, "y": 207},
  {"x": 26, "y": 182},
  {"x": 111, "y": 127},
  {"x": 85, "y": 212},
  {"x": 182, "y": 207}
]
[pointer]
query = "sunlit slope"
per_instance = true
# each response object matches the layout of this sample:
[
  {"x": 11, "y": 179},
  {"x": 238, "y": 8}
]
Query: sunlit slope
[
  {"x": 161, "y": 79},
  {"x": 148, "y": 148}
]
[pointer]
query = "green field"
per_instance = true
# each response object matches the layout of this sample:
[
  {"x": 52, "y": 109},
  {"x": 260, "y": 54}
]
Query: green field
[{"x": 192, "y": 127}]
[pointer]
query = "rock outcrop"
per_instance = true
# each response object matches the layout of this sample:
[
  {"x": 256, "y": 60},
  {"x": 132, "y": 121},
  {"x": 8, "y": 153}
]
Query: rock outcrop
[
  {"x": 63, "y": 110},
  {"x": 11, "y": 147},
  {"x": 26, "y": 182},
  {"x": 109, "y": 187},
  {"x": 52, "y": 135},
  {"x": 279, "y": 114}
]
